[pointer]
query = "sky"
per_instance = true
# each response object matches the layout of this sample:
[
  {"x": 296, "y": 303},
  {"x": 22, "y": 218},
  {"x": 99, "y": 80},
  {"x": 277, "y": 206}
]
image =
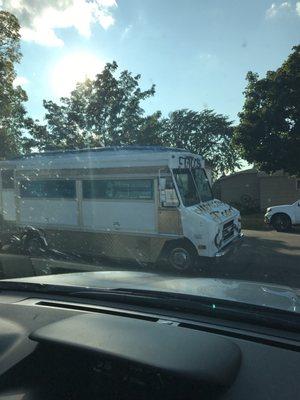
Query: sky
[{"x": 197, "y": 52}]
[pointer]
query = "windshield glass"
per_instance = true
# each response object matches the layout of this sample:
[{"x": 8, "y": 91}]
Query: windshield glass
[
  {"x": 193, "y": 186},
  {"x": 187, "y": 187},
  {"x": 202, "y": 184},
  {"x": 145, "y": 143}
]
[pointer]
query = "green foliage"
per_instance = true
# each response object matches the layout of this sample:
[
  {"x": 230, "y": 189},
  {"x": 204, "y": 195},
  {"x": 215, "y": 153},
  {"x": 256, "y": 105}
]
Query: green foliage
[
  {"x": 107, "y": 111},
  {"x": 206, "y": 133},
  {"x": 152, "y": 131},
  {"x": 12, "y": 112},
  {"x": 269, "y": 130},
  {"x": 101, "y": 112}
]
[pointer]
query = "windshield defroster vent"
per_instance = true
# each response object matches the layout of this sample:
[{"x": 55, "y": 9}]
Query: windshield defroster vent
[{"x": 95, "y": 309}]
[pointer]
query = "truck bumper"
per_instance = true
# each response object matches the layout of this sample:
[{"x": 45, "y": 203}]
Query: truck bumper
[{"x": 232, "y": 246}]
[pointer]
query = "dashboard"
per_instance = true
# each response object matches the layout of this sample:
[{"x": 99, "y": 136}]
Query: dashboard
[{"x": 56, "y": 347}]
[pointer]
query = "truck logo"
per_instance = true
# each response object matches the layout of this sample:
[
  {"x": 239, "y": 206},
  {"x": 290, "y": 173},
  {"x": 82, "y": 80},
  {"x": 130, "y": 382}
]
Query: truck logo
[{"x": 189, "y": 162}]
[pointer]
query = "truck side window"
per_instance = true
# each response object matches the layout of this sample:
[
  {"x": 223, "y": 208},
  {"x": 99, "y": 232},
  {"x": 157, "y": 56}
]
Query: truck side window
[
  {"x": 168, "y": 195},
  {"x": 54, "y": 189},
  {"x": 7, "y": 177},
  {"x": 121, "y": 189}
]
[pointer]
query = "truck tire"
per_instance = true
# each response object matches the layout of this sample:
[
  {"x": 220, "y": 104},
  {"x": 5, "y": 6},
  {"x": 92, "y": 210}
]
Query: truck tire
[
  {"x": 281, "y": 222},
  {"x": 182, "y": 257}
]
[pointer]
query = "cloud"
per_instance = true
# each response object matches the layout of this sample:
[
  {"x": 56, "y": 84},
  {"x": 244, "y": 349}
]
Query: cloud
[
  {"x": 20, "y": 81},
  {"x": 126, "y": 31},
  {"x": 207, "y": 60},
  {"x": 40, "y": 19},
  {"x": 298, "y": 8},
  {"x": 205, "y": 56},
  {"x": 279, "y": 9}
]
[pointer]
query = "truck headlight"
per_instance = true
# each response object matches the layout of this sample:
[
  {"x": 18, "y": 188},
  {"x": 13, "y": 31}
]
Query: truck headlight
[
  {"x": 237, "y": 227},
  {"x": 218, "y": 239}
]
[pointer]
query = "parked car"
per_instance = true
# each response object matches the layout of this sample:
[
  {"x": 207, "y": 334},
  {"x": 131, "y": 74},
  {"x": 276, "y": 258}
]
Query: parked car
[{"x": 283, "y": 217}]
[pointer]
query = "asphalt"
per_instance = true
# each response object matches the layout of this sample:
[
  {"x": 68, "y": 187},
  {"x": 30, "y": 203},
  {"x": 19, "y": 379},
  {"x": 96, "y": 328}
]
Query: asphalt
[{"x": 264, "y": 256}]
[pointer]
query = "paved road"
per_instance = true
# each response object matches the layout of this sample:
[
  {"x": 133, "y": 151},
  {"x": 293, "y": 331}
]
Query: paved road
[{"x": 265, "y": 256}]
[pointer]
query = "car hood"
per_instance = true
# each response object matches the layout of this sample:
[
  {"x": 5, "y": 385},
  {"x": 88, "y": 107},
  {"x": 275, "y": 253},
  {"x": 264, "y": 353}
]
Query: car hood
[
  {"x": 269, "y": 295},
  {"x": 280, "y": 208}
]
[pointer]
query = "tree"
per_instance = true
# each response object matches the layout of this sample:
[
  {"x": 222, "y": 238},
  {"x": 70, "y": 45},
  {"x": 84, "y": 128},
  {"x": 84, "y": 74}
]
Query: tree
[
  {"x": 206, "y": 133},
  {"x": 107, "y": 111},
  {"x": 152, "y": 131},
  {"x": 100, "y": 112},
  {"x": 12, "y": 112},
  {"x": 269, "y": 130}
]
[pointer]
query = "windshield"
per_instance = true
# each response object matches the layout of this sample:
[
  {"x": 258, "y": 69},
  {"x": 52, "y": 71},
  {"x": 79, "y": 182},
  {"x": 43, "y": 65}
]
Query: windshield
[
  {"x": 187, "y": 187},
  {"x": 144, "y": 143},
  {"x": 193, "y": 186},
  {"x": 202, "y": 184}
]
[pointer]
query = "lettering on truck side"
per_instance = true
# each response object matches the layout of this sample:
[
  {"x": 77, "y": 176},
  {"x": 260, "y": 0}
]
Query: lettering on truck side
[{"x": 189, "y": 162}]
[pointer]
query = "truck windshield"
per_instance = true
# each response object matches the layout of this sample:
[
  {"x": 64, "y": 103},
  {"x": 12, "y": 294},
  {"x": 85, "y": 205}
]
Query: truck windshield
[
  {"x": 193, "y": 186},
  {"x": 202, "y": 183},
  {"x": 186, "y": 187}
]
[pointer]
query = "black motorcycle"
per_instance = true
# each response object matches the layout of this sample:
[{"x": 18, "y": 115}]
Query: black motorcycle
[{"x": 27, "y": 241}]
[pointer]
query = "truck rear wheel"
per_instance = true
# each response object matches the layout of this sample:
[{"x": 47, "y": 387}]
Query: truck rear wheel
[
  {"x": 182, "y": 257},
  {"x": 281, "y": 222}
]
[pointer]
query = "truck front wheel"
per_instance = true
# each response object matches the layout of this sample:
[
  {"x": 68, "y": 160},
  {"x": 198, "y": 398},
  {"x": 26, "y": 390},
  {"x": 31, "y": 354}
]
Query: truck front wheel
[
  {"x": 281, "y": 222},
  {"x": 182, "y": 257}
]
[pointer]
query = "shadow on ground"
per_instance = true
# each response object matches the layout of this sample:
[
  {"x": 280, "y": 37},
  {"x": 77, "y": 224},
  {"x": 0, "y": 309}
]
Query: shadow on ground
[{"x": 273, "y": 257}]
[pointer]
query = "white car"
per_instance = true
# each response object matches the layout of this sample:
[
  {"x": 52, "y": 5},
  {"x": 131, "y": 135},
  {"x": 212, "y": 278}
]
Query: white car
[{"x": 283, "y": 217}]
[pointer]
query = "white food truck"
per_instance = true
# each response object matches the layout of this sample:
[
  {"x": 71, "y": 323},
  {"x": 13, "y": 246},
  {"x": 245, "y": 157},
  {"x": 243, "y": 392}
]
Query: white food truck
[{"x": 142, "y": 203}]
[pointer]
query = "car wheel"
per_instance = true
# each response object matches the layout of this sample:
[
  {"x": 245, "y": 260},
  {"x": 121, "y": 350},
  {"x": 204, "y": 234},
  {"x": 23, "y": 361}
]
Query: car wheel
[
  {"x": 182, "y": 258},
  {"x": 281, "y": 222}
]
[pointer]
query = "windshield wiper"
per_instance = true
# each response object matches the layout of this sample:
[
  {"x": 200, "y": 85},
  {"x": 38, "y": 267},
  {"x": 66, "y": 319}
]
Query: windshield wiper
[{"x": 186, "y": 303}]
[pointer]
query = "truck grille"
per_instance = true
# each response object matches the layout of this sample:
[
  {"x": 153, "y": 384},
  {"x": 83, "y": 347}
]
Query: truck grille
[{"x": 228, "y": 230}]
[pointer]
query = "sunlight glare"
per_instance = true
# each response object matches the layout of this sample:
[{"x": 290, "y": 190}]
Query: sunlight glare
[{"x": 73, "y": 68}]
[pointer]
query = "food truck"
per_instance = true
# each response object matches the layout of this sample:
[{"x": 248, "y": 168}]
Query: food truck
[{"x": 134, "y": 202}]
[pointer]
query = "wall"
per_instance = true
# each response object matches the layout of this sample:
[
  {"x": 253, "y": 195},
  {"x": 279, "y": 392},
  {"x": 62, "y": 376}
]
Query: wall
[
  {"x": 264, "y": 190},
  {"x": 276, "y": 190},
  {"x": 235, "y": 188}
]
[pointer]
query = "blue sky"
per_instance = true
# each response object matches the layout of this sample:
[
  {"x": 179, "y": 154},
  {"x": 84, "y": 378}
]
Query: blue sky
[{"x": 197, "y": 52}]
